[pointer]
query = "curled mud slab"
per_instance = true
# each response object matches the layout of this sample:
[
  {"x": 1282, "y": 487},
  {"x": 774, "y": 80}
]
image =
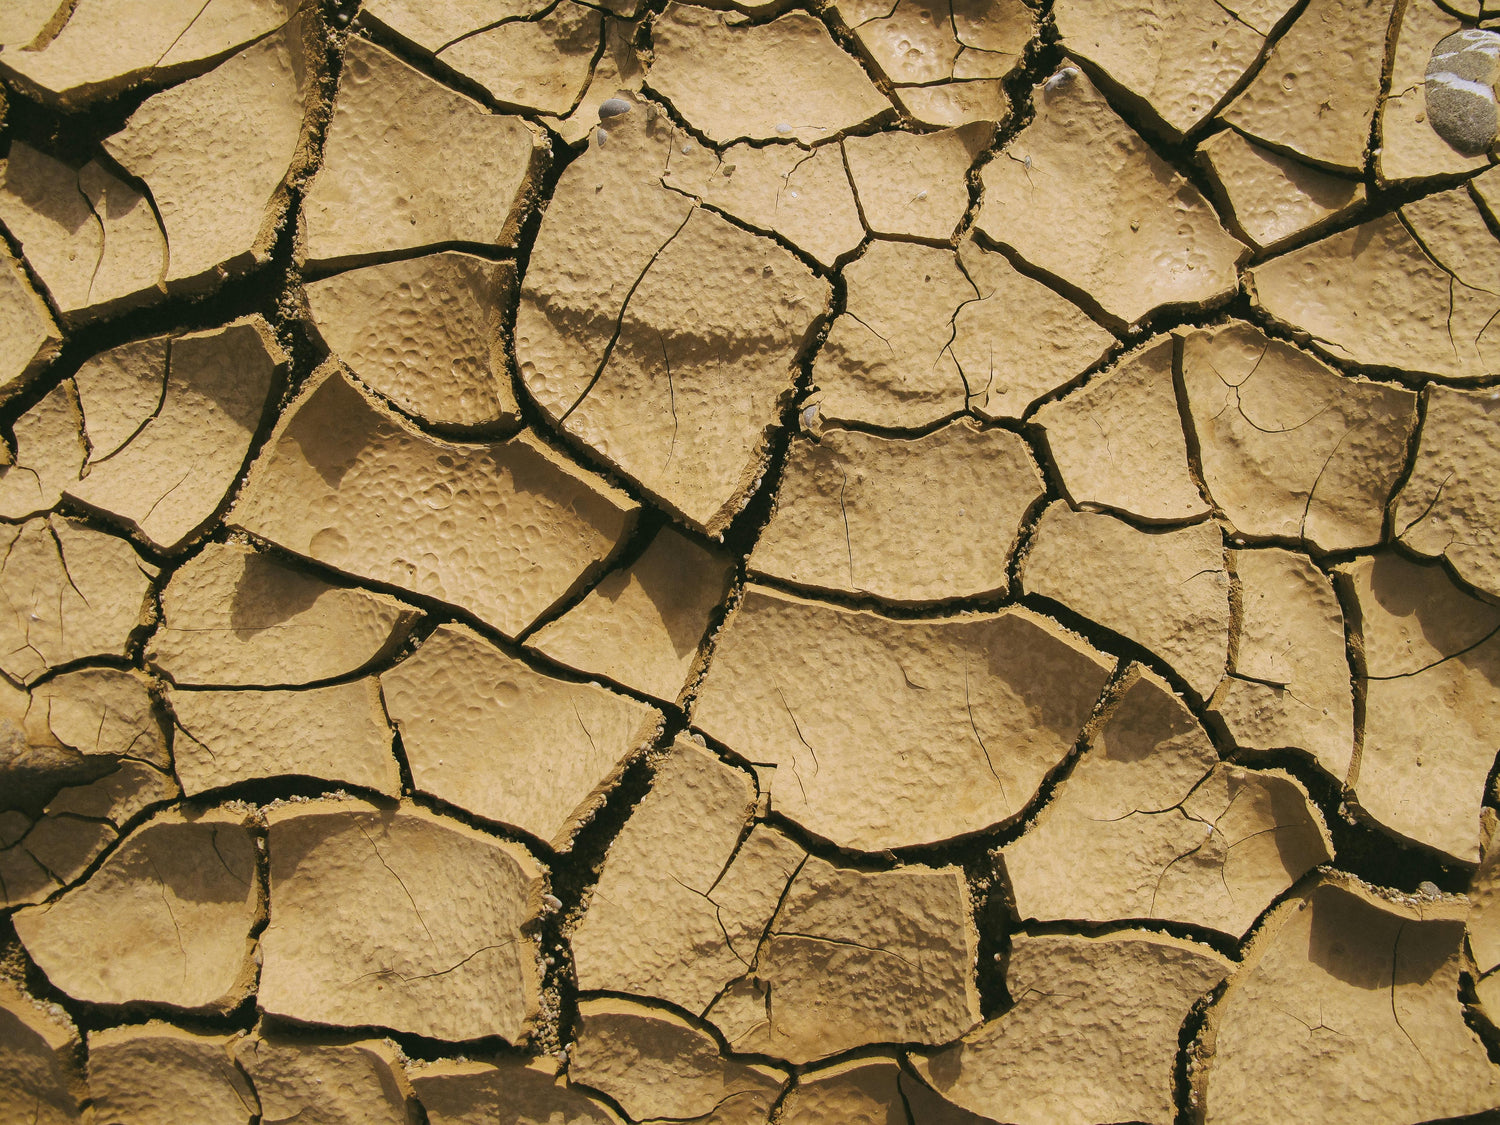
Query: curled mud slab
[{"x": 749, "y": 562}]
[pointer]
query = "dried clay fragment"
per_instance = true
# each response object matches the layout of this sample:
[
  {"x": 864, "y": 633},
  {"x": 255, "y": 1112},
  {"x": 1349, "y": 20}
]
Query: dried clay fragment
[
  {"x": 1151, "y": 825},
  {"x": 49, "y": 455},
  {"x": 653, "y": 927},
  {"x": 670, "y": 350},
  {"x": 1349, "y": 999},
  {"x": 100, "y": 50},
  {"x": 915, "y": 185},
  {"x": 791, "y": 81},
  {"x": 1126, "y": 229},
  {"x": 165, "y": 920},
  {"x": 927, "y": 729},
  {"x": 535, "y": 62},
  {"x": 399, "y": 918},
  {"x": 481, "y": 1093},
  {"x": 337, "y": 734},
  {"x": 1271, "y": 197},
  {"x": 1165, "y": 590},
  {"x": 1182, "y": 60},
  {"x": 485, "y": 732},
  {"x": 1290, "y": 448},
  {"x": 157, "y": 1074},
  {"x": 40, "y": 1082},
  {"x": 803, "y": 196},
  {"x": 425, "y": 333},
  {"x": 29, "y": 24},
  {"x": 1422, "y": 770},
  {"x": 1375, "y": 295},
  {"x": 29, "y": 338},
  {"x": 945, "y": 60},
  {"x": 887, "y": 360},
  {"x": 168, "y": 478},
  {"x": 1450, "y": 506},
  {"x": 216, "y": 154},
  {"x": 1316, "y": 93},
  {"x": 1288, "y": 679},
  {"x": 1118, "y": 441},
  {"x": 503, "y": 530},
  {"x": 236, "y": 617},
  {"x": 1019, "y": 340},
  {"x": 1483, "y": 927},
  {"x": 954, "y": 499},
  {"x": 1430, "y": 124},
  {"x": 92, "y": 239},
  {"x": 866, "y": 1090},
  {"x": 656, "y": 1065},
  {"x": 1093, "y": 1034},
  {"x": 643, "y": 625},
  {"x": 69, "y": 592},
  {"x": 411, "y": 163},
  {"x": 618, "y": 71},
  {"x": 343, "y": 1083}
]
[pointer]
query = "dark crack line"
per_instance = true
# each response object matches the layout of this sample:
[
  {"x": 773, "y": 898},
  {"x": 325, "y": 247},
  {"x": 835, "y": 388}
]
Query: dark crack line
[
  {"x": 798, "y": 728},
  {"x": 1431, "y": 504},
  {"x": 532, "y": 17},
  {"x": 973, "y": 726},
  {"x": 849, "y": 944},
  {"x": 848, "y": 543},
  {"x": 186, "y": 28},
  {"x": 161, "y": 400},
  {"x": 1396, "y": 1015},
  {"x": 671, "y": 397},
  {"x": 1441, "y": 660},
  {"x": 161, "y": 886}
]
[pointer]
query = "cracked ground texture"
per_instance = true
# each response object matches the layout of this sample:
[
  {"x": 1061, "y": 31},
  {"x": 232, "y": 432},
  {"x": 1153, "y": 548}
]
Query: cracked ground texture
[{"x": 774, "y": 562}]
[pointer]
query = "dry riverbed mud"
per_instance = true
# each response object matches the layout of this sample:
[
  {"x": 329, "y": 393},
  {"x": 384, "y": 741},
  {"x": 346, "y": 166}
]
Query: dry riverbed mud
[{"x": 927, "y": 563}]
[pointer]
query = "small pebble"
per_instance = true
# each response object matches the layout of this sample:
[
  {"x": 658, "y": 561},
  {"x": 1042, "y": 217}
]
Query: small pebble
[
  {"x": 600, "y": 135},
  {"x": 1062, "y": 79},
  {"x": 614, "y": 107},
  {"x": 1428, "y": 890},
  {"x": 1460, "y": 89},
  {"x": 783, "y": 128}
]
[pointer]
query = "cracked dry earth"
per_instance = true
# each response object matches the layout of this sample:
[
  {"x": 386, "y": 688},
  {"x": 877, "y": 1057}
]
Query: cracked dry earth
[{"x": 921, "y": 562}]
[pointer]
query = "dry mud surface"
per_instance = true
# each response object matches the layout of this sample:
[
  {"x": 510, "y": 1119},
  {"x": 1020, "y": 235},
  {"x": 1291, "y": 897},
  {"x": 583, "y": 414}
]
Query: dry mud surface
[{"x": 924, "y": 562}]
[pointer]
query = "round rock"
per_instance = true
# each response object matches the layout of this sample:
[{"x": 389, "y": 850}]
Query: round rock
[
  {"x": 614, "y": 107},
  {"x": 1461, "y": 89}
]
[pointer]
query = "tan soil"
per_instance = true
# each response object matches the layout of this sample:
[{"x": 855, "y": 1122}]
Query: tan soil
[{"x": 925, "y": 563}]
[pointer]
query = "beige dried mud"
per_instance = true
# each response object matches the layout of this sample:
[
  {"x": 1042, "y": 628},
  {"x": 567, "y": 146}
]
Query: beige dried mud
[
  {"x": 484, "y": 732},
  {"x": 170, "y": 476},
  {"x": 915, "y": 185},
  {"x": 1092, "y": 1037},
  {"x": 1181, "y": 60},
  {"x": 1118, "y": 442},
  {"x": 1318, "y": 89},
  {"x": 887, "y": 360},
  {"x": 357, "y": 1083},
  {"x": 92, "y": 239},
  {"x": 157, "y": 1074},
  {"x": 399, "y": 918},
  {"x": 165, "y": 920},
  {"x": 217, "y": 154},
  {"x": 337, "y": 734},
  {"x": 1432, "y": 697},
  {"x": 1150, "y": 824},
  {"x": 425, "y": 334},
  {"x": 671, "y": 348},
  {"x": 928, "y": 729},
  {"x": 643, "y": 625},
  {"x": 233, "y": 616},
  {"x": 1080, "y": 196},
  {"x": 30, "y": 336},
  {"x": 655, "y": 1064},
  {"x": 502, "y": 530},
  {"x": 481, "y": 1093},
  {"x": 1449, "y": 507},
  {"x": 1375, "y": 295},
  {"x": 408, "y": 163},
  {"x": 1166, "y": 590},
  {"x": 70, "y": 592},
  {"x": 804, "y": 196},
  {"x": 49, "y": 455},
  {"x": 40, "y": 1081},
  {"x": 954, "y": 498},
  {"x": 1349, "y": 999},
  {"x": 1288, "y": 682},
  {"x": 1291, "y": 449},
  {"x": 1271, "y": 198},
  {"x": 790, "y": 80}
]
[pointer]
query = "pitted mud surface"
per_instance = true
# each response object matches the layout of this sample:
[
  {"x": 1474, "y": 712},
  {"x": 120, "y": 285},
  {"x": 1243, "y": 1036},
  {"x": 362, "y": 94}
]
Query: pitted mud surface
[{"x": 639, "y": 561}]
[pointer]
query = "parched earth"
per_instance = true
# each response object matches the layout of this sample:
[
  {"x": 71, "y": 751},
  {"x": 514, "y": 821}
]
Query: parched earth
[{"x": 953, "y": 547}]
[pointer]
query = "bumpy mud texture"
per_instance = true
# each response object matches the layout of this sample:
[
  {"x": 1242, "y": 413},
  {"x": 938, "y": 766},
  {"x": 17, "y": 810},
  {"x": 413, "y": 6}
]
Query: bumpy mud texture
[{"x": 759, "y": 562}]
